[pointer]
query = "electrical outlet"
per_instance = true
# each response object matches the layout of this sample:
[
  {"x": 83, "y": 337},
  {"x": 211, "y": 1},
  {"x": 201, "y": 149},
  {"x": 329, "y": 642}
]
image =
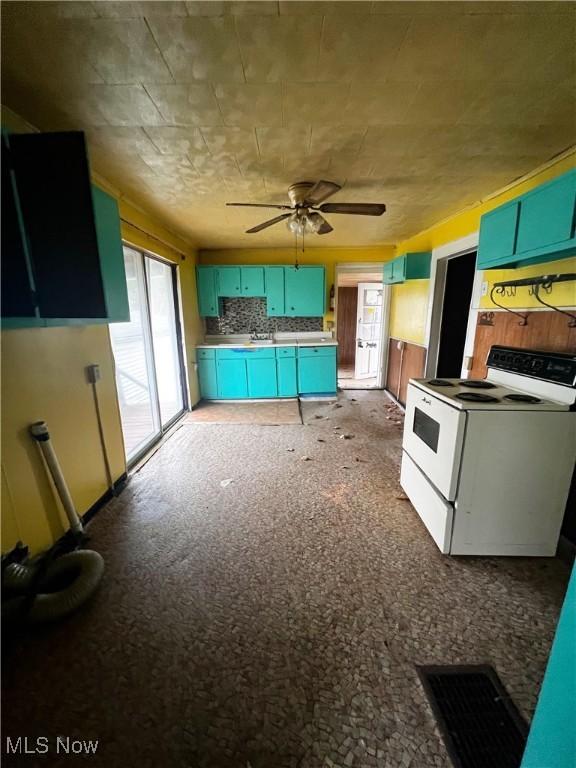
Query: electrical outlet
[
  {"x": 93, "y": 373},
  {"x": 484, "y": 288}
]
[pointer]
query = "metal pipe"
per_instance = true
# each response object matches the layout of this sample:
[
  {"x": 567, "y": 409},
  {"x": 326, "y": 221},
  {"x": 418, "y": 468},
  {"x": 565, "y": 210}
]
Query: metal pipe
[{"x": 39, "y": 431}]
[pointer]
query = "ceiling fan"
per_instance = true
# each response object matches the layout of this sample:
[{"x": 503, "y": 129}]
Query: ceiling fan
[{"x": 306, "y": 198}]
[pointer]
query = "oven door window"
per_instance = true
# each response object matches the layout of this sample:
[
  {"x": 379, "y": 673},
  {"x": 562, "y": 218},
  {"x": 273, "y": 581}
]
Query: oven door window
[{"x": 426, "y": 428}]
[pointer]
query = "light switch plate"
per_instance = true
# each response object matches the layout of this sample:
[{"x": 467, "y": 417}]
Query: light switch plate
[{"x": 484, "y": 288}]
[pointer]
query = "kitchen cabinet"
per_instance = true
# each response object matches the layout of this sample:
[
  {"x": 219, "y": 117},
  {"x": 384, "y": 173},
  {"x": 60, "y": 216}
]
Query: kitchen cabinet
[
  {"x": 305, "y": 291},
  {"x": 261, "y": 375},
  {"x": 207, "y": 378},
  {"x": 62, "y": 262},
  {"x": 208, "y": 305},
  {"x": 231, "y": 375},
  {"x": 408, "y": 266},
  {"x": 274, "y": 282},
  {"x": 228, "y": 281},
  {"x": 286, "y": 371},
  {"x": 252, "y": 281},
  {"x": 316, "y": 370},
  {"x": 534, "y": 228}
]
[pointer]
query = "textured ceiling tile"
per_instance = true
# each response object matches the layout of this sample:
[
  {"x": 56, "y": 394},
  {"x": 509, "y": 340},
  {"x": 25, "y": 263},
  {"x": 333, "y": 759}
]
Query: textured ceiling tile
[
  {"x": 399, "y": 140},
  {"x": 314, "y": 103},
  {"x": 275, "y": 142},
  {"x": 275, "y": 48},
  {"x": 120, "y": 139},
  {"x": 504, "y": 103},
  {"x": 206, "y": 8},
  {"x": 250, "y": 104},
  {"x": 122, "y": 51},
  {"x": 323, "y": 7},
  {"x": 218, "y": 164},
  {"x": 351, "y": 166},
  {"x": 440, "y": 103},
  {"x": 186, "y": 104},
  {"x": 120, "y": 104},
  {"x": 177, "y": 140},
  {"x": 257, "y": 8},
  {"x": 432, "y": 47},
  {"x": 237, "y": 189},
  {"x": 385, "y": 103},
  {"x": 199, "y": 48},
  {"x": 336, "y": 139},
  {"x": 261, "y": 167},
  {"x": 130, "y": 10},
  {"x": 363, "y": 49},
  {"x": 231, "y": 140}
]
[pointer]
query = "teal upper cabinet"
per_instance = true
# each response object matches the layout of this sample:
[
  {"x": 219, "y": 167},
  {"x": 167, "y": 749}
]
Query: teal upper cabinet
[
  {"x": 207, "y": 296},
  {"x": 274, "y": 280},
  {"x": 498, "y": 234},
  {"x": 534, "y": 228},
  {"x": 547, "y": 216},
  {"x": 228, "y": 281},
  {"x": 409, "y": 266},
  {"x": 252, "y": 281},
  {"x": 61, "y": 243},
  {"x": 305, "y": 291},
  {"x": 111, "y": 256}
]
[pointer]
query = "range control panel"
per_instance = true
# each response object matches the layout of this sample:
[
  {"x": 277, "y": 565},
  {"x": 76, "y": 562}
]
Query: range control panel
[{"x": 549, "y": 366}]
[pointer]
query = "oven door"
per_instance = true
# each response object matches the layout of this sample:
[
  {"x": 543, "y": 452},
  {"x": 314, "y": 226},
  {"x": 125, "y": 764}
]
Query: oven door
[{"x": 433, "y": 436}]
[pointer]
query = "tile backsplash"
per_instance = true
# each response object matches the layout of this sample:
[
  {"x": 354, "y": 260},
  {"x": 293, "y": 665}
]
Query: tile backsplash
[{"x": 247, "y": 315}]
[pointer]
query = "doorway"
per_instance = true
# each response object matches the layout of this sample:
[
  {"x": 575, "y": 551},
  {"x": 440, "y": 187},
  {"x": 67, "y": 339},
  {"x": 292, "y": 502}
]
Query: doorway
[
  {"x": 361, "y": 319},
  {"x": 458, "y": 283},
  {"x": 148, "y": 353}
]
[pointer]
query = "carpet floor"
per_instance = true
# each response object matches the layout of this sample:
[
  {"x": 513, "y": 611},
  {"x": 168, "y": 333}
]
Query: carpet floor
[{"x": 274, "y": 620}]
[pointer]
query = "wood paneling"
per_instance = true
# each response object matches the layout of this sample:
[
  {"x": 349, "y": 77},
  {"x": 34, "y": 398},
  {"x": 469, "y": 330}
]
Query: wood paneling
[
  {"x": 346, "y": 322},
  {"x": 403, "y": 365},
  {"x": 547, "y": 331}
]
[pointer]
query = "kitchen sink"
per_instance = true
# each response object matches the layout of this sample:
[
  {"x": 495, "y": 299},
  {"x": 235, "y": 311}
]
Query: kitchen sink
[{"x": 259, "y": 343}]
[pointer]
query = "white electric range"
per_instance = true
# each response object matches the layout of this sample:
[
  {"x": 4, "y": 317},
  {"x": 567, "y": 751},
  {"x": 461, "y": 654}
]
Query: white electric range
[{"x": 487, "y": 464}]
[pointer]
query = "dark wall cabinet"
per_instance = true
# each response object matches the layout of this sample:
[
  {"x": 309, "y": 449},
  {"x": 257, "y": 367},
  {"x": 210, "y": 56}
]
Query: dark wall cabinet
[{"x": 61, "y": 243}]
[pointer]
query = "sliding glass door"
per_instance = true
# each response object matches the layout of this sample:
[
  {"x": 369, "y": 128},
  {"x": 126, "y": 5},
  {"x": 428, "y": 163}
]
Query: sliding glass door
[{"x": 148, "y": 353}]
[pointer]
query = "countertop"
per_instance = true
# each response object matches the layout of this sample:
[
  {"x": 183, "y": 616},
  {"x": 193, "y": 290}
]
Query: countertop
[{"x": 302, "y": 340}]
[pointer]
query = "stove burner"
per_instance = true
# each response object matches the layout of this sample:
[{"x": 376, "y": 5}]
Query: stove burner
[
  {"x": 476, "y": 397},
  {"x": 440, "y": 383},
  {"x": 522, "y": 398},
  {"x": 477, "y": 384}
]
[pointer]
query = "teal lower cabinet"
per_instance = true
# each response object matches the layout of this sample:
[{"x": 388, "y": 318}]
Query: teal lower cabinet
[
  {"x": 232, "y": 380},
  {"x": 317, "y": 370},
  {"x": 261, "y": 376},
  {"x": 286, "y": 371},
  {"x": 207, "y": 378}
]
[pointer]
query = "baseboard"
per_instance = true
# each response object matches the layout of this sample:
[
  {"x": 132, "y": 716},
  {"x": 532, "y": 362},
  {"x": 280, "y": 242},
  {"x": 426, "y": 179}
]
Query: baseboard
[{"x": 105, "y": 498}]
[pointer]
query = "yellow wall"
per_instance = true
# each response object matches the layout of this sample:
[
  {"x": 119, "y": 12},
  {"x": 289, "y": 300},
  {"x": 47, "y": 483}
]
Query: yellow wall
[
  {"x": 410, "y": 300},
  {"x": 43, "y": 377},
  {"x": 328, "y": 257}
]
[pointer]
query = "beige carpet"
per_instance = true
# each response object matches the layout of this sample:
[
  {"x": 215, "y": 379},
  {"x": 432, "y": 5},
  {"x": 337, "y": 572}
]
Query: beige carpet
[{"x": 267, "y": 414}]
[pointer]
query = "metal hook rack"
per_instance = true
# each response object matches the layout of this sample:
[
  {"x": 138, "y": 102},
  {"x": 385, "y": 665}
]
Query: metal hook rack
[{"x": 535, "y": 286}]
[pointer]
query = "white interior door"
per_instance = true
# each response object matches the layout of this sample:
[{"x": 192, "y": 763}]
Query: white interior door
[{"x": 368, "y": 331}]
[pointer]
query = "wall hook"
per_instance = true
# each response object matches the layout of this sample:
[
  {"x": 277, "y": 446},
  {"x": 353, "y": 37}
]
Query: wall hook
[{"x": 500, "y": 289}]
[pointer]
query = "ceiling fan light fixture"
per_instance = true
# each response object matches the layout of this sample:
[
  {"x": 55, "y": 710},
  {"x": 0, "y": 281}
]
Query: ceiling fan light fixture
[{"x": 314, "y": 222}]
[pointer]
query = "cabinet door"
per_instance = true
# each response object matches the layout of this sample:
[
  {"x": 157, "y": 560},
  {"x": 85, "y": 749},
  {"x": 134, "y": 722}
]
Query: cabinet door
[
  {"x": 262, "y": 378},
  {"x": 388, "y": 272},
  {"x": 252, "y": 281},
  {"x": 207, "y": 379},
  {"x": 206, "y": 287},
  {"x": 111, "y": 256},
  {"x": 228, "y": 281},
  {"x": 55, "y": 197},
  {"x": 17, "y": 296},
  {"x": 497, "y": 241},
  {"x": 399, "y": 269},
  {"x": 287, "y": 382},
  {"x": 274, "y": 284},
  {"x": 232, "y": 380},
  {"x": 547, "y": 215},
  {"x": 317, "y": 375},
  {"x": 305, "y": 291}
]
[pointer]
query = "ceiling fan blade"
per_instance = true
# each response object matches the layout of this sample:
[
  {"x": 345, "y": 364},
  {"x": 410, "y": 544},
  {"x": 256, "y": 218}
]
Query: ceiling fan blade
[
  {"x": 322, "y": 190},
  {"x": 269, "y": 223},
  {"x": 324, "y": 227},
  {"x": 258, "y": 205},
  {"x": 359, "y": 209}
]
